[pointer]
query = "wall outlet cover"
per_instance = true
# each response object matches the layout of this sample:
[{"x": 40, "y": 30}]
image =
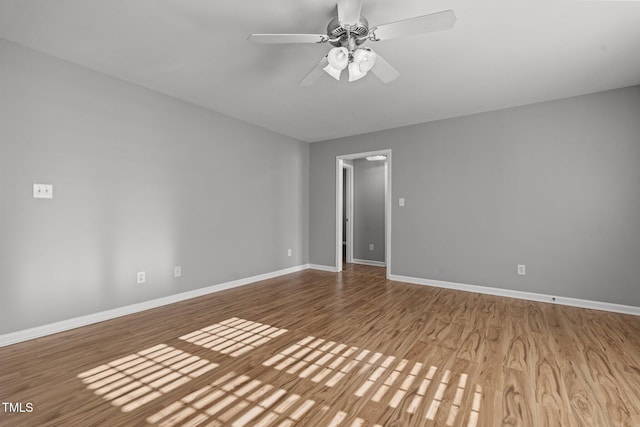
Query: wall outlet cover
[{"x": 42, "y": 191}]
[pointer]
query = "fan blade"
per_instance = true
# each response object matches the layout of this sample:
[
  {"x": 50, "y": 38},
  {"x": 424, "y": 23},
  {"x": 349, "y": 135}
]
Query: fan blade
[
  {"x": 421, "y": 24},
  {"x": 383, "y": 70},
  {"x": 349, "y": 11},
  {"x": 287, "y": 38},
  {"x": 316, "y": 72}
]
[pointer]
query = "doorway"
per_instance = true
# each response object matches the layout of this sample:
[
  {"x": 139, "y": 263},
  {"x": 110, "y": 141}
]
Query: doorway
[{"x": 345, "y": 196}]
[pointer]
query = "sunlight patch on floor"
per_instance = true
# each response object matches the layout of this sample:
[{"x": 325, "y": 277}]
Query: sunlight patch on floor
[
  {"x": 139, "y": 378},
  {"x": 340, "y": 416},
  {"x": 412, "y": 392},
  {"x": 422, "y": 390},
  {"x": 437, "y": 399},
  {"x": 235, "y": 400},
  {"x": 319, "y": 360},
  {"x": 475, "y": 407},
  {"x": 234, "y": 336}
]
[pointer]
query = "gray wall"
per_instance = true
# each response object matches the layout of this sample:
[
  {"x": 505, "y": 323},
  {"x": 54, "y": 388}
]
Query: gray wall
[
  {"x": 141, "y": 181},
  {"x": 368, "y": 210},
  {"x": 555, "y": 186}
]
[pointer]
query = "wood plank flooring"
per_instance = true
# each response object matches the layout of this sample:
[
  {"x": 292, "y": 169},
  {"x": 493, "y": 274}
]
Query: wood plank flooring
[{"x": 324, "y": 349}]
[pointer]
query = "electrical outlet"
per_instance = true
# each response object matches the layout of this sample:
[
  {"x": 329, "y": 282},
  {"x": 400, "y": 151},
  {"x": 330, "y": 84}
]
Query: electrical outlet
[
  {"x": 42, "y": 191},
  {"x": 289, "y": 252},
  {"x": 401, "y": 201},
  {"x": 522, "y": 270},
  {"x": 177, "y": 271},
  {"x": 142, "y": 277},
  {"x": 370, "y": 246}
]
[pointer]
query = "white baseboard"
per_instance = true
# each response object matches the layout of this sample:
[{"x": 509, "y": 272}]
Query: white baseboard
[
  {"x": 64, "y": 325},
  {"x": 367, "y": 262},
  {"x": 574, "y": 302},
  {"x": 328, "y": 268}
]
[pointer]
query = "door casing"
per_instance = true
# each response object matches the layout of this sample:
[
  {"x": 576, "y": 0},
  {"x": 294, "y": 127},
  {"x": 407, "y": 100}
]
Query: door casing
[{"x": 340, "y": 164}]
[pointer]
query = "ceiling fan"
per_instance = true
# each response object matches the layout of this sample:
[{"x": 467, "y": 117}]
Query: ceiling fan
[{"x": 348, "y": 31}]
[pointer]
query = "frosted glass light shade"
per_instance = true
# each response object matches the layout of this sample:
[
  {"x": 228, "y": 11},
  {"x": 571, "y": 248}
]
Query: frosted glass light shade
[
  {"x": 363, "y": 61},
  {"x": 338, "y": 58},
  {"x": 365, "y": 58},
  {"x": 333, "y": 72},
  {"x": 354, "y": 72}
]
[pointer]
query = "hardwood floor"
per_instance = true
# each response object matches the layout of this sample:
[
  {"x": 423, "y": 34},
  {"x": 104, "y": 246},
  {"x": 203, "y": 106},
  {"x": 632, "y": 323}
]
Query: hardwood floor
[{"x": 324, "y": 349}]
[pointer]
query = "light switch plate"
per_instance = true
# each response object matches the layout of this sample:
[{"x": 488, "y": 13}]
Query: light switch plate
[{"x": 401, "y": 201}]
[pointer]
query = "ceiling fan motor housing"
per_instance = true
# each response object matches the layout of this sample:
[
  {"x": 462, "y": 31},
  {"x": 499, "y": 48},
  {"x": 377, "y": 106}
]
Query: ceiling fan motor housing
[{"x": 359, "y": 32}]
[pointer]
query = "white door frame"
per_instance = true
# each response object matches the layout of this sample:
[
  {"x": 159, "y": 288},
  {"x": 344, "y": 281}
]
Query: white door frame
[
  {"x": 387, "y": 205},
  {"x": 348, "y": 210}
]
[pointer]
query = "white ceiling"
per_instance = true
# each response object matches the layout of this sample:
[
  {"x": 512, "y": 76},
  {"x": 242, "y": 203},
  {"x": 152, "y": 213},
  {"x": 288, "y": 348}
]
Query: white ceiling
[{"x": 499, "y": 54}]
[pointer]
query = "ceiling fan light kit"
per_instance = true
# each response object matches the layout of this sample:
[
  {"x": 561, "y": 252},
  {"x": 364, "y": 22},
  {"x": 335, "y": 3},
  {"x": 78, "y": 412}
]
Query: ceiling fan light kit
[
  {"x": 359, "y": 62},
  {"x": 350, "y": 30}
]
